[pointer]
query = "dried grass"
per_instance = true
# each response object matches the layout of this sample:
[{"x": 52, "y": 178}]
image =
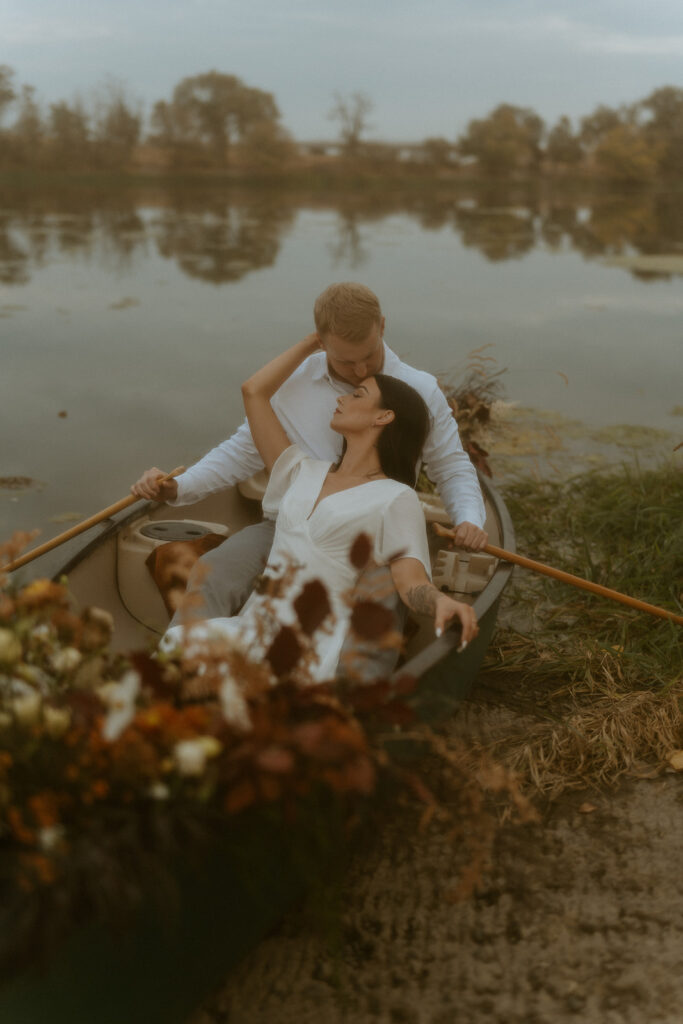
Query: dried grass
[
  {"x": 597, "y": 743},
  {"x": 604, "y": 684}
]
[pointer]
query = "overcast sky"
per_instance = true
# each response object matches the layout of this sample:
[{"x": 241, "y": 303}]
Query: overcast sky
[{"x": 428, "y": 65}]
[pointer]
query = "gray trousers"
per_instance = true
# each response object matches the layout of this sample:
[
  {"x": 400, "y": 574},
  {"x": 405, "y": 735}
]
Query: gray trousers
[{"x": 223, "y": 579}]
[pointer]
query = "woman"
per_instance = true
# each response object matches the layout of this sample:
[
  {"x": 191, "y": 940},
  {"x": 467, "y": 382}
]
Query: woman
[{"x": 322, "y": 507}]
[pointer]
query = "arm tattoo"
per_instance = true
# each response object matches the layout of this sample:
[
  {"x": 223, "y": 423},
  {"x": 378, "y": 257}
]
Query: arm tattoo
[{"x": 422, "y": 599}]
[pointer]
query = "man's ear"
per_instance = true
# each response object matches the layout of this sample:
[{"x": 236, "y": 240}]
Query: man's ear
[{"x": 381, "y": 327}]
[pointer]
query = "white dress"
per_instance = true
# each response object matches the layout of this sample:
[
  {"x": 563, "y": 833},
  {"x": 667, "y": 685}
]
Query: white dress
[{"x": 316, "y": 539}]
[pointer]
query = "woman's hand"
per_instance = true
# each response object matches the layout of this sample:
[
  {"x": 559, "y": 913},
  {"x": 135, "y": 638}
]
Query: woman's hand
[
  {"x": 150, "y": 487},
  {"x": 312, "y": 342},
  {"x": 267, "y": 432},
  {"x": 447, "y": 609},
  {"x": 418, "y": 592}
]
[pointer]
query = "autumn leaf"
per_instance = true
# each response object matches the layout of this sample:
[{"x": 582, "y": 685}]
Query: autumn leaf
[
  {"x": 360, "y": 775},
  {"x": 241, "y": 795},
  {"x": 277, "y": 760},
  {"x": 360, "y": 552},
  {"x": 370, "y": 620},
  {"x": 312, "y": 606},
  {"x": 151, "y": 673},
  {"x": 284, "y": 652},
  {"x": 479, "y": 457}
]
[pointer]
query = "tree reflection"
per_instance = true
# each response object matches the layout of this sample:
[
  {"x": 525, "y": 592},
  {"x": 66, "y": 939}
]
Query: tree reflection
[
  {"x": 14, "y": 258},
  {"x": 221, "y": 238},
  {"x": 500, "y": 234},
  {"x": 221, "y": 242}
]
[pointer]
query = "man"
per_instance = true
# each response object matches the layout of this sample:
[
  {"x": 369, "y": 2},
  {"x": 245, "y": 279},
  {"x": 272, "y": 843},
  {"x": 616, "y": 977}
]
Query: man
[{"x": 350, "y": 326}]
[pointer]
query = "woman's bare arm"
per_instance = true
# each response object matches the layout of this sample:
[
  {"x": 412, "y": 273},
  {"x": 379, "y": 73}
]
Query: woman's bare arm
[
  {"x": 420, "y": 595},
  {"x": 267, "y": 431}
]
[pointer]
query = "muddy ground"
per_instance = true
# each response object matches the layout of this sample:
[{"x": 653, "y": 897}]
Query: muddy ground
[{"x": 579, "y": 919}]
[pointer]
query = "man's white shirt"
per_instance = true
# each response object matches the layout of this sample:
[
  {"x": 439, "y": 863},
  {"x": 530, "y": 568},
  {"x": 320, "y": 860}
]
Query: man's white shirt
[{"x": 305, "y": 405}]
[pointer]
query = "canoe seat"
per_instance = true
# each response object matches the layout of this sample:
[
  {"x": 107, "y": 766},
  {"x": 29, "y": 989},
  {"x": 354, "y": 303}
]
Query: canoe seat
[{"x": 461, "y": 573}]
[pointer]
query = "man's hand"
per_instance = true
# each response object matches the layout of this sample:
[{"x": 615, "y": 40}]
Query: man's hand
[
  {"x": 149, "y": 487},
  {"x": 470, "y": 537}
]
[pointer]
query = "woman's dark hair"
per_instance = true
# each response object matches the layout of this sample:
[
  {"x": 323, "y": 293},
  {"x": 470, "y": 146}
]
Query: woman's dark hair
[{"x": 401, "y": 442}]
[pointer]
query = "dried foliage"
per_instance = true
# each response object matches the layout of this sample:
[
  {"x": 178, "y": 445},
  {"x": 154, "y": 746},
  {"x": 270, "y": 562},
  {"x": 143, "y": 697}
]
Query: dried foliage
[{"x": 111, "y": 765}]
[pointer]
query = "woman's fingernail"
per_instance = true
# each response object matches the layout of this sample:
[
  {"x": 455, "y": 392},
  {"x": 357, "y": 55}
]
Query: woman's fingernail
[{"x": 462, "y": 646}]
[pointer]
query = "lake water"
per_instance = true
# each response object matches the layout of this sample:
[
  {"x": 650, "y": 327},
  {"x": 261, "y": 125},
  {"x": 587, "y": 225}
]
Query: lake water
[{"x": 138, "y": 313}]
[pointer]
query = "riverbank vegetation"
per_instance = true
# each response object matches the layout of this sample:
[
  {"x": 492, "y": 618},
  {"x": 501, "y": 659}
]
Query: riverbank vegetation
[
  {"x": 214, "y": 124},
  {"x": 599, "y": 687}
]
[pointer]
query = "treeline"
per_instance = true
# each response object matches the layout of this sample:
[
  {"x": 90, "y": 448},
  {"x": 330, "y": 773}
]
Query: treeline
[
  {"x": 641, "y": 141},
  {"x": 211, "y": 121},
  {"x": 215, "y": 122}
]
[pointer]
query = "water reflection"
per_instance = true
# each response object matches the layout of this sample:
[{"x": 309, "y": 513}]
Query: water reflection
[
  {"x": 219, "y": 242},
  {"x": 220, "y": 237}
]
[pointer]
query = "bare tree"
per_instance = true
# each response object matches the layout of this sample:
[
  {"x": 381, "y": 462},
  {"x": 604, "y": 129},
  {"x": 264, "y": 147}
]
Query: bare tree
[
  {"x": 7, "y": 93},
  {"x": 352, "y": 115}
]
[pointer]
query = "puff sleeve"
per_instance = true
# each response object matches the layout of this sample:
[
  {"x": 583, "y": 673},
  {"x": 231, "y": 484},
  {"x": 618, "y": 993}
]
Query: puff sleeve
[
  {"x": 282, "y": 476},
  {"x": 402, "y": 532}
]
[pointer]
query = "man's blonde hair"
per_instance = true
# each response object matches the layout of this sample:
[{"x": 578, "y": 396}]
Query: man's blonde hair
[{"x": 348, "y": 310}]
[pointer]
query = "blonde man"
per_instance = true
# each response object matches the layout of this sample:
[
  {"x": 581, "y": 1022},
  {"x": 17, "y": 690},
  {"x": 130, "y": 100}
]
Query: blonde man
[{"x": 350, "y": 326}]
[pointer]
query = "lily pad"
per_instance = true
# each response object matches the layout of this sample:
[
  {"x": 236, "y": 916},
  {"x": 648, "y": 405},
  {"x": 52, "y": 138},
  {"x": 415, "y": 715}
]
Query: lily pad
[
  {"x": 16, "y": 483},
  {"x": 662, "y": 263},
  {"x": 125, "y": 303}
]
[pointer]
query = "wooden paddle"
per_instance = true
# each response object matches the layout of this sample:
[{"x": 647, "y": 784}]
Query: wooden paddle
[
  {"x": 81, "y": 527},
  {"x": 566, "y": 577}
]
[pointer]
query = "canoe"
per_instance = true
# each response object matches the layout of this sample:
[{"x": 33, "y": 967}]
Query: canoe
[
  {"x": 108, "y": 569},
  {"x": 162, "y": 968}
]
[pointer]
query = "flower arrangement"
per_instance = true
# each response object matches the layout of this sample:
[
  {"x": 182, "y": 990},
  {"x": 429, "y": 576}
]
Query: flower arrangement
[{"x": 111, "y": 765}]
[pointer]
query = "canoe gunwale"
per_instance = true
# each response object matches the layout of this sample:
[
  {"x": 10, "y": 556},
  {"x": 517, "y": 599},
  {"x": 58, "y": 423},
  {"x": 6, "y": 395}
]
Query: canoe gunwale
[
  {"x": 442, "y": 648},
  {"x": 486, "y": 603}
]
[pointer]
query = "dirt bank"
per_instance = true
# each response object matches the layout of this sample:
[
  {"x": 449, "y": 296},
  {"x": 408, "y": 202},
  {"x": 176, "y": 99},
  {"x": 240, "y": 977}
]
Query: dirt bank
[{"x": 580, "y": 919}]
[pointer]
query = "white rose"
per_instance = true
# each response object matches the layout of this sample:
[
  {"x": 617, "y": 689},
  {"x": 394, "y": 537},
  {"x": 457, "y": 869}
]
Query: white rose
[
  {"x": 233, "y": 705},
  {"x": 27, "y": 708},
  {"x": 10, "y": 647},
  {"x": 66, "y": 660},
  {"x": 190, "y": 756},
  {"x": 159, "y": 791},
  {"x": 50, "y": 836},
  {"x": 101, "y": 617},
  {"x": 120, "y": 697},
  {"x": 57, "y": 721}
]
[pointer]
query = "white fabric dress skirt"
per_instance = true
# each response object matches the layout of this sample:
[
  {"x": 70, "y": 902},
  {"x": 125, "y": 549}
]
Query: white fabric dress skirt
[{"x": 312, "y": 542}]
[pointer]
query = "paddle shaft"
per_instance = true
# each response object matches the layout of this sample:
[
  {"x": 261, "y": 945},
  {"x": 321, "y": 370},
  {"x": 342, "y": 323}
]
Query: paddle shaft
[
  {"x": 81, "y": 527},
  {"x": 577, "y": 581}
]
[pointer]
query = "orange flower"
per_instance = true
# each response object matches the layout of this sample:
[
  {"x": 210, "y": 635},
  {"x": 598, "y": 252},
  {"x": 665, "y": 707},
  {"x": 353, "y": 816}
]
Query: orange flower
[
  {"x": 19, "y": 828},
  {"x": 41, "y": 867},
  {"x": 41, "y": 592},
  {"x": 43, "y": 807}
]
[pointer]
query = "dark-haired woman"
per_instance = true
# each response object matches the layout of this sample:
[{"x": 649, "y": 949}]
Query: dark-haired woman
[{"x": 321, "y": 508}]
